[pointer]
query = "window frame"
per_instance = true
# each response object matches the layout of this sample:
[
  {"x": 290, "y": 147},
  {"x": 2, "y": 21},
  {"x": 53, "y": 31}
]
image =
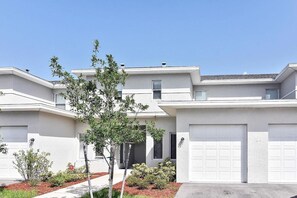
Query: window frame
[
  {"x": 202, "y": 91},
  {"x": 170, "y": 134},
  {"x": 275, "y": 89},
  {"x": 154, "y": 142},
  {"x": 120, "y": 92},
  {"x": 60, "y": 104},
  {"x": 157, "y": 90}
]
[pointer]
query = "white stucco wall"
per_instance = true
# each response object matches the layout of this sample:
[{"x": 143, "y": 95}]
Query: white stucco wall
[
  {"x": 224, "y": 91},
  {"x": 57, "y": 136},
  {"x": 288, "y": 86},
  {"x": 168, "y": 124},
  {"x": 256, "y": 120}
]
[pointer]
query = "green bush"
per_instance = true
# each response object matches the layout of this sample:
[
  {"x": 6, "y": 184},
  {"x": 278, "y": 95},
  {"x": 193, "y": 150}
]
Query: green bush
[
  {"x": 150, "y": 178},
  {"x": 160, "y": 183},
  {"x": 46, "y": 176},
  {"x": 132, "y": 181},
  {"x": 69, "y": 177},
  {"x": 115, "y": 194},
  {"x": 31, "y": 165},
  {"x": 63, "y": 177},
  {"x": 57, "y": 180},
  {"x": 169, "y": 169},
  {"x": 143, "y": 184},
  {"x": 141, "y": 170}
]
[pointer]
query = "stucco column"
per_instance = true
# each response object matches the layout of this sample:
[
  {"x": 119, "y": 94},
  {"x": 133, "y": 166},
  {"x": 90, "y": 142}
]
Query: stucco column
[{"x": 257, "y": 156}]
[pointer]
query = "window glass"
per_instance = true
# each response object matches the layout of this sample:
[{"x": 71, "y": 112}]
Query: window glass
[
  {"x": 60, "y": 101},
  {"x": 158, "y": 149},
  {"x": 120, "y": 91},
  {"x": 173, "y": 146},
  {"x": 157, "y": 94},
  {"x": 272, "y": 94},
  {"x": 200, "y": 95}
]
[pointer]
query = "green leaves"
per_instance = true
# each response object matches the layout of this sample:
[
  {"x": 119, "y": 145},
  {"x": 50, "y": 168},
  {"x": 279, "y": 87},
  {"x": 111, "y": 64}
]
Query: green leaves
[{"x": 95, "y": 101}]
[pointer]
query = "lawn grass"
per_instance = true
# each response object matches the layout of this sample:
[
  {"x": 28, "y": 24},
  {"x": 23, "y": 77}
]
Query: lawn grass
[
  {"x": 17, "y": 193},
  {"x": 115, "y": 194}
]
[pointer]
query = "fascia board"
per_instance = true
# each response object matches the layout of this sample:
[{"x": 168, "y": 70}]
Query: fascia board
[{"x": 25, "y": 75}]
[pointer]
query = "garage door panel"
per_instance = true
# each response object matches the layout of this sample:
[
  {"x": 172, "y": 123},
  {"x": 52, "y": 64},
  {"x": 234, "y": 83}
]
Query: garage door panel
[
  {"x": 220, "y": 152},
  {"x": 282, "y": 153},
  {"x": 16, "y": 138}
]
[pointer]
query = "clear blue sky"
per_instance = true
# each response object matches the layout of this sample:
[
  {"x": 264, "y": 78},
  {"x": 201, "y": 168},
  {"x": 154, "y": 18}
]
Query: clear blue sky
[{"x": 222, "y": 37}]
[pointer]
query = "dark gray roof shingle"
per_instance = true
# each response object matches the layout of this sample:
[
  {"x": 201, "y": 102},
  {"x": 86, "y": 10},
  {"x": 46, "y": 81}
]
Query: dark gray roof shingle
[{"x": 238, "y": 76}]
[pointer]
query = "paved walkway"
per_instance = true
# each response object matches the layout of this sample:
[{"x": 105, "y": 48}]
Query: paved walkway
[
  {"x": 192, "y": 190},
  {"x": 80, "y": 189}
]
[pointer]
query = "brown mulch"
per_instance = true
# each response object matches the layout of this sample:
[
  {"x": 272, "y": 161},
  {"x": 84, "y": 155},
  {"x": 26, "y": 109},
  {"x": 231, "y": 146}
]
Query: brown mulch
[
  {"x": 169, "y": 192},
  {"x": 44, "y": 187}
]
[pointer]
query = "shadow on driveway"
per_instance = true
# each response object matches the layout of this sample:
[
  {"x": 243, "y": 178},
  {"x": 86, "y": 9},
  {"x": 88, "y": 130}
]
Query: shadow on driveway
[{"x": 191, "y": 190}]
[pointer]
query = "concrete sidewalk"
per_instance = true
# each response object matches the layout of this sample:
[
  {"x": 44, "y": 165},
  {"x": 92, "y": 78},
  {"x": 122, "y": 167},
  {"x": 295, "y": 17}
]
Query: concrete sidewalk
[{"x": 80, "y": 189}]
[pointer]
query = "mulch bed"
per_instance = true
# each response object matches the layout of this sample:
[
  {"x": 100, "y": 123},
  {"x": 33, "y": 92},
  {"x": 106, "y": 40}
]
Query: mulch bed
[
  {"x": 44, "y": 187},
  {"x": 169, "y": 192}
]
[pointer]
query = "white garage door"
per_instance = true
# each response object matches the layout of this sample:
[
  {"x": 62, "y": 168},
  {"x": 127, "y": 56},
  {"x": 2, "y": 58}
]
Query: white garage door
[
  {"x": 16, "y": 139},
  {"x": 217, "y": 153},
  {"x": 282, "y": 153}
]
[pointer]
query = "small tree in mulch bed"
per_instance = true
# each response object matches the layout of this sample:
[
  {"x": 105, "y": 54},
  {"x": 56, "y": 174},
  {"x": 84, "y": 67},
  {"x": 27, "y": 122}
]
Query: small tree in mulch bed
[{"x": 98, "y": 102}]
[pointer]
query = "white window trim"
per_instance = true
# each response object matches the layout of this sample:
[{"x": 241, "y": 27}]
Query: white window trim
[
  {"x": 156, "y": 89},
  {"x": 195, "y": 94},
  {"x": 158, "y": 159}
]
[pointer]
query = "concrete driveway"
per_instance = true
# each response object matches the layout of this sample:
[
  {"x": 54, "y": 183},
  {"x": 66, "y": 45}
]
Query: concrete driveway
[{"x": 189, "y": 190}]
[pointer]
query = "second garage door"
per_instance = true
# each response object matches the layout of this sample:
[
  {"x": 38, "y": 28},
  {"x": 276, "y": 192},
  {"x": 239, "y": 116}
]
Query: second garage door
[
  {"x": 282, "y": 153},
  {"x": 217, "y": 153}
]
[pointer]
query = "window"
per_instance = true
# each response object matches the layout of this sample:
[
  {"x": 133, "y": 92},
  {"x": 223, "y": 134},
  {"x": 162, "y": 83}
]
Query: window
[
  {"x": 99, "y": 152},
  {"x": 173, "y": 146},
  {"x": 60, "y": 101},
  {"x": 158, "y": 149},
  {"x": 157, "y": 89},
  {"x": 272, "y": 94},
  {"x": 200, "y": 95},
  {"x": 120, "y": 92}
]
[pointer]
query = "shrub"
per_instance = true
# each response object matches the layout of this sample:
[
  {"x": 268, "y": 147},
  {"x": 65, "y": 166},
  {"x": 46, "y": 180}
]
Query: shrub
[
  {"x": 57, "y": 180},
  {"x": 46, "y": 176},
  {"x": 140, "y": 170},
  {"x": 160, "y": 183},
  {"x": 31, "y": 165},
  {"x": 63, "y": 177},
  {"x": 132, "y": 181},
  {"x": 34, "y": 182},
  {"x": 169, "y": 169},
  {"x": 150, "y": 178},
  {"x": 143, "y": 184},
  {"x": 72, "y": 169}
]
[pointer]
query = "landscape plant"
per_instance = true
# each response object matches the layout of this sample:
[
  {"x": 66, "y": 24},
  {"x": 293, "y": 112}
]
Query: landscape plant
[
  {"x": 32, "y": 164},
  {"x": 159, "y": 176},
  {"x": 112, "y": 119}
]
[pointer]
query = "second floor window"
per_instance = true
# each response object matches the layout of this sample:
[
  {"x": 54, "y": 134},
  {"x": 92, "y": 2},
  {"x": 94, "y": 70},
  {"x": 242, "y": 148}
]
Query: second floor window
[
  {"x": 272, "y": 94},
  {"x": 157, "y": 93},
  {"x": 200, "y": 95},
  {"x": 60, "y": 101},
  {"x": 120, "y": 92}
]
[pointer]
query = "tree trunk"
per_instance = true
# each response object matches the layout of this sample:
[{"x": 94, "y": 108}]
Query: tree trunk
[
  {"x": 111, "y": 170},
  {"x": 87, "y": 170},
  {"x": 126, "y": 167}
]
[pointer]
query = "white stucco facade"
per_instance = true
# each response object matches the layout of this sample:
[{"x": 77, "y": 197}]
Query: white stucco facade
[{"x": 207, "y": 143}]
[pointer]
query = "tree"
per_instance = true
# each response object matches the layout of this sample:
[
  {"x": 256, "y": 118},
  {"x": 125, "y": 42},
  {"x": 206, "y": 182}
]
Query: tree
[
  {"x": 98, "y": 103},
  {"x": 3, "y": 147}
]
